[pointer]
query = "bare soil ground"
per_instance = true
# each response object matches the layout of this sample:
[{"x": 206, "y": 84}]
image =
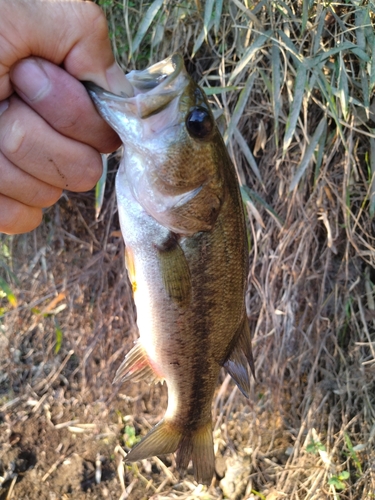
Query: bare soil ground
[{"x": 300, "y": 127}]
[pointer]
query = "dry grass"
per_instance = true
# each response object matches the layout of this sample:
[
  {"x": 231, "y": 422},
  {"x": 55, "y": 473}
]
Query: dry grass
[{"x": 300, "y": 128}]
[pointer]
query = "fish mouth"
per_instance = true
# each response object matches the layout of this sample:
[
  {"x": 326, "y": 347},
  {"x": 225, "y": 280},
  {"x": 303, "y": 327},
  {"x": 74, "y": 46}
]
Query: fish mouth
[
  {"x": 160, "y": 75},
  {"x": 154, "y": 88}
]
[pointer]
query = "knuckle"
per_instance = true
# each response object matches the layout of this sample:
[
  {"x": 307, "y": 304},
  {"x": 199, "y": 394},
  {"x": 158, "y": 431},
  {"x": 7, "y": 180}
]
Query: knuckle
[
  {"x": 20, "y": 219},
  {"x": 68, "y": 123},
  {"x": 89, "y": 175},
  {"x": 52, "y": 197},
  {"x": 45, "y": 197},
  {"x": 110, "y": 141}
]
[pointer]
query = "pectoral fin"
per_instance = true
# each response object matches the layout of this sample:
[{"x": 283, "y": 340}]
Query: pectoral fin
[
  {"x": 136, "y": 366},
  {"x": 175, "y": 271},
  {"x": 240, "y": 359},
  {"x": 130, "y": 267}
]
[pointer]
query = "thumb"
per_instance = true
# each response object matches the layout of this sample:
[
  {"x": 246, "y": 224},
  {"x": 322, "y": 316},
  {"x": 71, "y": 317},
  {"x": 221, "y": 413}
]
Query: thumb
[{"x": 69, "y": 33}]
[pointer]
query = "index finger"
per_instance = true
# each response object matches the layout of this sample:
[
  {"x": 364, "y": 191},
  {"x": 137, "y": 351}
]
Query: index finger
[{"x": 71, "y": 33}]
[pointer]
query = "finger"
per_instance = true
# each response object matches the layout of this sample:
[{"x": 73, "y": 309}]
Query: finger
[
  {"x": 63, "y": 102},
  {"x": 20, "y": 186},
  {"x": 16, "y": 218},
  {"x": 72, "y": 33},
  {"x": 27, "y": 141}
]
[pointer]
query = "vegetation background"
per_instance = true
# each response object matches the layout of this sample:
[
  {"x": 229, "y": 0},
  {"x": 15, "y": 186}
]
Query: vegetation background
[{"x": 294, "y": 82}]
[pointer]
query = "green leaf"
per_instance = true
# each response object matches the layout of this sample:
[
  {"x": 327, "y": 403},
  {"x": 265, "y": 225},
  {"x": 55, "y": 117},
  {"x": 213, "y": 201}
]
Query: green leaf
[
  {"x": 361, "y": 49},
  {"x": 336, "y": 483},
  {"x": 249, "y": 203},
  {"x": 343, "y": 88},
  {"x": 319, "y": 154},
  {"x": 201, "y": 38},
  {"x": 314, "y": 447},
  {"x": 248, "y": 154},
  {"x": 258, "y": 494},
  {"x": 8, "y": 292},
  {"x": 365, "y": 87},
  {"x": 353, "y": 454},
  {"x": 368, "y": 27},
  {"x": 361, "y": 54},
  {"x": 59, "y": 336},
  {"x": 290, "y": 47},
  {"x": 372, "y": 186},
  {"x": 100, "y": 187},
  {"x": 345, "y": 46},
  {"x": 208, "y": 20},
  {"x": 276, "y": 86},
  {"x": 308, "y": 153},
  {"x": 240, "y": 106},
  {"x": 285, "y": 10},
  {"x": 266, "y": 80},
  {"x": 305, "y": 13},
  {"x": 328, "y": 93},
  {"x": 208, "y": 9},
  {"x": 218, "y": 10},
  {"x": 146, "y": 23},
  {"x": 3, "y": 253},
  {"x": 219, "y": 90},
  {"x": 344, "y": 475},
  {"x": 130, "y": 439},
  {"x": 371, "y": 66},
  {"x": 299, "y": 90},
  {"x": 246, "y": 193},
  {"x": 360, "y": 32},
  {"x": 4, "y": 250},
  {"x": 319, "y": 31},
  {"x": 249, "y": 53}
]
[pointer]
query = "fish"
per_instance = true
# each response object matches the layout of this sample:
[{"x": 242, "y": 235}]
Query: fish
[{"x": 186, "y": 254}]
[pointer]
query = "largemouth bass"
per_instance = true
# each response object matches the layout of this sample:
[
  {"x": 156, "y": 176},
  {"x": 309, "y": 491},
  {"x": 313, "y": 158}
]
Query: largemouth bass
[{"x": 183, "y": 224}]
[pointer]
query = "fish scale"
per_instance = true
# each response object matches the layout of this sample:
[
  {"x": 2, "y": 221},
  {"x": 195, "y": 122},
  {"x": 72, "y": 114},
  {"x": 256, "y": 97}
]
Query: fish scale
[{"x": 182, "y": 220}]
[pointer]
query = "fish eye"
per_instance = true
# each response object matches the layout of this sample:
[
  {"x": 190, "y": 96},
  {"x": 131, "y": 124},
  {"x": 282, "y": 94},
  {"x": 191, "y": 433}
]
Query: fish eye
[{"x": 199, "y": 123}]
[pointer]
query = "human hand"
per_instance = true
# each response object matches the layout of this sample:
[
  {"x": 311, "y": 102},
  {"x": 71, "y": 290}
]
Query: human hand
[{"x": 50, "y": 132}]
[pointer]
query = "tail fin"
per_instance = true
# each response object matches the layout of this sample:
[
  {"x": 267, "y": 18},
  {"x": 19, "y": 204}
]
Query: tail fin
[
  {"x": 200, "y": 448},
  {"x": 197, "y": 446}
]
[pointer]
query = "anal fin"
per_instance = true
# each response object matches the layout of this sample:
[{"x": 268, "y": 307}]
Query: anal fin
[
  {"x": 136, "y": 367},
  {"x": 240, "y": 358},
  {"x": 162, "y": 439}
]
